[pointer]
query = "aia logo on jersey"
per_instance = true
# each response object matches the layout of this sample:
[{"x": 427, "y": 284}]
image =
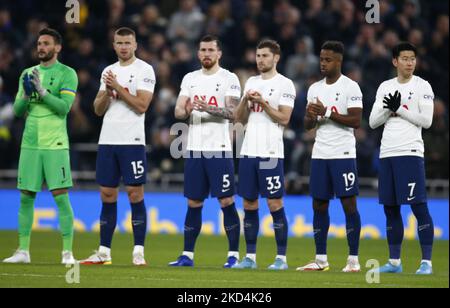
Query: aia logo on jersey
[
  {"x": 255, "y": 107},
  {"x": 211, "y": 102}
]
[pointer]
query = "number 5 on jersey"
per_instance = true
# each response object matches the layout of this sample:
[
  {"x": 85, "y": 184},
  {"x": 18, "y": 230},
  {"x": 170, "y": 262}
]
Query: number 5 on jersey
[{"x": 226, "y": 183}]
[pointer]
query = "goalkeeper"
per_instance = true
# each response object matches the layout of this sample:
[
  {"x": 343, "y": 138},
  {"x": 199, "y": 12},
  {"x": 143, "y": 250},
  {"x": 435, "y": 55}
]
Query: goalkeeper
[{"x": 46, "y": 93}]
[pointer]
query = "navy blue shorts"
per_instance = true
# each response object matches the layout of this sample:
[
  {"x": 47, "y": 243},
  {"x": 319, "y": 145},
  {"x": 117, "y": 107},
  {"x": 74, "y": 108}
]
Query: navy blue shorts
[
  {"x": 333, "y": 177},
  {"x": 121, "y": 161},
  {"x": 402, "y": 180},
  {"x": 261, "y": 176},
  {"x": 204, "y": 174}
]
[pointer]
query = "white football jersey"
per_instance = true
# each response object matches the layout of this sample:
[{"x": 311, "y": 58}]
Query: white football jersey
[
  {"x": 121, "y": 125},
  {"x": 333, "y": 140},
  {"x": 208, "y": 132},
  {"x": 402, "y": 135},
  {"x": 263, "y": 136}
]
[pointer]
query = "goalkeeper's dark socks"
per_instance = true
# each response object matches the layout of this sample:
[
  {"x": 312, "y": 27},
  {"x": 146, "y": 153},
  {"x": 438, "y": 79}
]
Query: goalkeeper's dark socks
[
  {"x": 26, "y": 217},
  {"x": 425, "y": 227},
  {"x": 395, "y": 230},
  {"x": 232, "y": 226},
  {"x": 192, "y": 227},
  {"x": 65, "y": 220},
  {"x": 139, "y": 222},
  {"x": 321, "y": 225},
  {"x": 251, "y": 230},
  {"x": 280, "y": 226},
  {"x": 353, "y": 224},
  {"x": 108, "y": 222}
]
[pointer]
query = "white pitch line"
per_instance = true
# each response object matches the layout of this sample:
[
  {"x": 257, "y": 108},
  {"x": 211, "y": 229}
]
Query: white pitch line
[
  {"x": 32, "y": 275},
  {"x": 133, "y": 278},
  {"x": 342, "y": 284}
]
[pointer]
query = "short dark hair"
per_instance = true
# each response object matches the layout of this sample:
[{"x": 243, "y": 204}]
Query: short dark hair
[
  {"x": 53, "y": 33},
  {"x": 124, "y": 31},
  {"x": 272, "y": 45},
  {"x": 211, "y": 38},
  {"x": 403, "y": 46},
  {"x": 335, "y": 46}
]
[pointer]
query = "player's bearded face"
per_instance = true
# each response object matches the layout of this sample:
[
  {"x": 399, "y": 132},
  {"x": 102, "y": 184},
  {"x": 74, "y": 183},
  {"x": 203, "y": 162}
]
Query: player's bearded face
[
  {"x": 46, "y": 48},
  {"x": 265, "y": 60},
  {"x": 265, "y": 67},
  {"x": 209, "y": 54},
  {"x": 46, "y": 56},
  {"x": 208, "y": 62}
]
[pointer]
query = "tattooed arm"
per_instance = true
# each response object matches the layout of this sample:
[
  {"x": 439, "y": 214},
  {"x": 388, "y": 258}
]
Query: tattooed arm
[{"x": 227, "y": 113}]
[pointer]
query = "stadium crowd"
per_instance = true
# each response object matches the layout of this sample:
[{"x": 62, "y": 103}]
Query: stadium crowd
[{"x": 168, "y": 32}]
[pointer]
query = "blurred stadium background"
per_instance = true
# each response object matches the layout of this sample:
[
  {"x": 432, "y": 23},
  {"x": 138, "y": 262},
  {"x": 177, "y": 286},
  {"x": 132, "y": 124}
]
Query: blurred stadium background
[{"x": 168, "y": 32}]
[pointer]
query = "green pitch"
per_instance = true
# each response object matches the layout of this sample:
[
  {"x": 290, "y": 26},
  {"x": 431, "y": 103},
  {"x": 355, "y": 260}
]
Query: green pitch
[{"x": 210, "y": 256}]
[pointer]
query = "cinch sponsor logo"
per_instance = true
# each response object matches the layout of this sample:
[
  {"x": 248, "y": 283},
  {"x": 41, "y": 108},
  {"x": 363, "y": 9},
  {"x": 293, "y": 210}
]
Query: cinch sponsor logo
[
  {"x": 148, "y": 80},
  {"x": 286, "y": 95},
  {"x": 356, "y": 98}
]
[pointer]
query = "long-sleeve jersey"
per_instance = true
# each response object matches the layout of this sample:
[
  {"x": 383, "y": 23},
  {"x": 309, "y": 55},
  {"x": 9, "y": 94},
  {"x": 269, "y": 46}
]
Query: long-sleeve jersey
[
  {"x": 402, "y": 135},
  {"x": 46, "y": 123}
]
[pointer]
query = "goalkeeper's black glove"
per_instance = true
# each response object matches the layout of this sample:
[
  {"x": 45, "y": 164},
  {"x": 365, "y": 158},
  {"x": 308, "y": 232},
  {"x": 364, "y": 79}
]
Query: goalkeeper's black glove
[{"x": 392, "y": 102}]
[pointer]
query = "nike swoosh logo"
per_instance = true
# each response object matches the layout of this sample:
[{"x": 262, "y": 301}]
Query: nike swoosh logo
[
  {"x": 421, "y": 228},
  {"x": 409, "y": 199},
  {"x": 274, "y": 192},
  {"x": 348, "y": 189},
  {"x": 226, "y": 190},
  {"x": 138, "y": 177}
]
